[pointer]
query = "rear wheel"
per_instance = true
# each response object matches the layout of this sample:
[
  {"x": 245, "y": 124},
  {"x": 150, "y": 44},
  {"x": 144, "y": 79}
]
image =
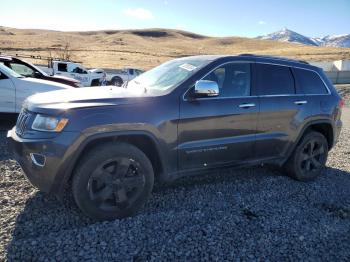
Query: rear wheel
[
  {"x": 113, "y": 181},
  {"x": 309, "y": 157}
]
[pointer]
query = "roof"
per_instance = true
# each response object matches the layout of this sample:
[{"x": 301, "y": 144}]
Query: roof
[
  {"x": 5, "y": 58},
  {"x": 251, "y": 56},
  {"x": 275, "y": 58}
]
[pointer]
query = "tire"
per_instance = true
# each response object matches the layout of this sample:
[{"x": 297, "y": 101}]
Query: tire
[
  {"x": 309, "y": 157},
  {"x": 113, "y": 181},
  {"x": 117, "y": 81}
]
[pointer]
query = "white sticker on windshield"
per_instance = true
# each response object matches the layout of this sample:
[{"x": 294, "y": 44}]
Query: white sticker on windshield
[{"x": 188, "y": 67}]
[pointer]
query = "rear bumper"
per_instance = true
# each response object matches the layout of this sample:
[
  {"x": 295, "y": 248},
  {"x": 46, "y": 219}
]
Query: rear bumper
[
  {"x": 337, "y": 128},
  {"x": 45, "y": 170}
]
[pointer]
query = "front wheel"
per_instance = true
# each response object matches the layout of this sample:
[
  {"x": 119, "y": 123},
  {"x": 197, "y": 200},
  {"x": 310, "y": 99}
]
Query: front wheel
[
  {"x": 309, "y": 157},
  {"x": 113, "y": 181}
]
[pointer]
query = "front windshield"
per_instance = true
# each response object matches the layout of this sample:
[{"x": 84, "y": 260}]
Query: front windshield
[
  {"x": 169, "y": 74},
  {"x": 38, "y": 69},
  {"x": 9, "y": 72}
]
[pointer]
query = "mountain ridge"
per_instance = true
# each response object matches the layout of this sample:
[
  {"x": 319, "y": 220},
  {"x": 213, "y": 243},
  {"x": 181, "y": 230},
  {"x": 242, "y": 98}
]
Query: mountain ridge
[
  {"x": 287, "y": 35},
  {"x": 146, "y": 48}
]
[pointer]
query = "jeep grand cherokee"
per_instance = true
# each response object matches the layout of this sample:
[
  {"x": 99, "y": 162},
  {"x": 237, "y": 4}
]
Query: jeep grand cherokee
[{"x": 107, "y": 145}]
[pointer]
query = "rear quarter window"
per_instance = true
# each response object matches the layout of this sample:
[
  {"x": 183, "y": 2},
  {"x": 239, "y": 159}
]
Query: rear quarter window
[{"x": 309, "y": 82}]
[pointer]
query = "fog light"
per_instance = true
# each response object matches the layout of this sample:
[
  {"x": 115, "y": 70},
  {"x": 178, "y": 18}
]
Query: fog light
[{"x": 38, "y": 159}]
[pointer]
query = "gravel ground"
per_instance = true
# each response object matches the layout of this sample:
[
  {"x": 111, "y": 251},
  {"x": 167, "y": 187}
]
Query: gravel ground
[
  {"x": 344, "y": 91},
  {"x": 242, "y": 214}
]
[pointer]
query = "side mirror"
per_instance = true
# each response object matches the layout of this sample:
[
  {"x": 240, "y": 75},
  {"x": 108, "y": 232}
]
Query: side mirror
[
  {"x": 206, "y": 88},
  {"x": 37, "y": 74}
]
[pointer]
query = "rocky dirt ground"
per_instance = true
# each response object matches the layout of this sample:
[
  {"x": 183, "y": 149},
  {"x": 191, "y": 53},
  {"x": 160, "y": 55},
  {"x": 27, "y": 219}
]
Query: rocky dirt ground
[
  {"x": 344, "y": 90},
  {"x": 239, "y": 214}
]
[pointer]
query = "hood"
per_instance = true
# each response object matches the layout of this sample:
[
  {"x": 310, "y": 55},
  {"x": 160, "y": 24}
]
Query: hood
[
  {"x": 97, "y": 71},
  {"x": 47, "y": 83},
  {"x": 83, "y": 97},
  {"x": 66, "y": 78}
]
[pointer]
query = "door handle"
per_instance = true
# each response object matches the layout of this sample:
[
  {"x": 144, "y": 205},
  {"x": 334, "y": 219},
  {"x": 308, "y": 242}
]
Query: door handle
[
  {"x": 246, "y": 105},
  {"x": 303, "y": 102}
]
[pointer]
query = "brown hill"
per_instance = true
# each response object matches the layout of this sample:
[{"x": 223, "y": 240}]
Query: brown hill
[{"x": 149, "y": 47}]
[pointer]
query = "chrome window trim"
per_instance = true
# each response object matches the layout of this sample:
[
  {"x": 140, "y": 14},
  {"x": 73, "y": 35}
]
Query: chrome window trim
[{"x": 255, "y": 96}]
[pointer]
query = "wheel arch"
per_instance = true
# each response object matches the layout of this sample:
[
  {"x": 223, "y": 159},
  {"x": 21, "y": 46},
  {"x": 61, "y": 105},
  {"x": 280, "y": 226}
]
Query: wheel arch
[
  {"x": 143, "y": 140},
  {"x": 117, "y": 77},
  {"x": 95, "y": 82},
  {"x": 323, "y": 126}
]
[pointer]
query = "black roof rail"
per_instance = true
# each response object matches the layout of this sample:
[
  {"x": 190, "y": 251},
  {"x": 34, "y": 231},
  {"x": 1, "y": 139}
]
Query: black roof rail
[{"x": 276, "y": 58}]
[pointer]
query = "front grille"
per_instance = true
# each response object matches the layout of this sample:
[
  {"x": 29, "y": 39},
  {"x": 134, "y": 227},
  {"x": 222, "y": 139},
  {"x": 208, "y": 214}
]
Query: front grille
[{"x": 22, "y": 122}]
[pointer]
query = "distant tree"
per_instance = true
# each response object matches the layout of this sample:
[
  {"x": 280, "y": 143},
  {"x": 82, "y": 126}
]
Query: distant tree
[{"x": 65, "y": 52}]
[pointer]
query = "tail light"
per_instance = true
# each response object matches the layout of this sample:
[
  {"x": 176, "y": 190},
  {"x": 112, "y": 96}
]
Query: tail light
[{"x": 341, "y": 103}]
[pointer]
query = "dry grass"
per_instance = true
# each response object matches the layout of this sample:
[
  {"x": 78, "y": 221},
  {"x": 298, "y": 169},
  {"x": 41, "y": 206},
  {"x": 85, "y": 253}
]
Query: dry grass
[{"x": 147, "y": 48}]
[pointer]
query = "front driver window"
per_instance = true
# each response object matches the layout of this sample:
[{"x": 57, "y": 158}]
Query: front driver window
[{"x": 233, "y": 79}]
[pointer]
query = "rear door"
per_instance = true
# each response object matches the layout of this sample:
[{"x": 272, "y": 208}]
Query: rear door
[
  {"x": 282, "y": 109},
  {"x": 7, "y": 94},
  {"x": 219, "y": 130},
  {"x": 315, "y": 91}
]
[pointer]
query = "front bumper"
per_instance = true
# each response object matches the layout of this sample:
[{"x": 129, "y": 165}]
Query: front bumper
[{"x": 46, "y": 172}]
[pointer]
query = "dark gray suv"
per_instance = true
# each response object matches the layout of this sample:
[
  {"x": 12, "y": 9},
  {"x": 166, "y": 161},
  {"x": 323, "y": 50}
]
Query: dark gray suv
[{"x": 107, "y": 145}]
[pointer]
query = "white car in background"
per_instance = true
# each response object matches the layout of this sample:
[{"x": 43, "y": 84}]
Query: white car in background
[
  {"x": 119, "y": 77},
  {"x": 14, "y": 89}
]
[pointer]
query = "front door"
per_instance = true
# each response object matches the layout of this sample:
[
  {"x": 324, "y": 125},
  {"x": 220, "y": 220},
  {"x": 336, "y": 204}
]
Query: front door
[{"x": 219, "y": 130}]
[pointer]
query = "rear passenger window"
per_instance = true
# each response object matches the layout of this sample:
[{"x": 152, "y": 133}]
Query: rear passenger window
[
  {"x": 274, "y": 80},
  {"x": 310, "y": 82}
]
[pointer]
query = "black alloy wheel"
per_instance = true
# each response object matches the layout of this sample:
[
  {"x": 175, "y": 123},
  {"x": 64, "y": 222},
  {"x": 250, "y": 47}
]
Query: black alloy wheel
[{"x": 116, "y": 184}]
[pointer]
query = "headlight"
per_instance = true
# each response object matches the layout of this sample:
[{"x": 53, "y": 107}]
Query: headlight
[{"x": 49, "y": 123}]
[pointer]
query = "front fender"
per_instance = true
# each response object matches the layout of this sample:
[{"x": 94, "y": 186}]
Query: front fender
[{"x": 77, "y": 149}]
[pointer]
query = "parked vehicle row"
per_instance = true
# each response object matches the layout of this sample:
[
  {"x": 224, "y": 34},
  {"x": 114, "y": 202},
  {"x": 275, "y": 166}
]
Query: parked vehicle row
[
  {"x": 107, "y": 146},
  {"x": 76, "y": 71},
  {"x": 14, "y": 88},
  {"x": 92, "y": 77}
]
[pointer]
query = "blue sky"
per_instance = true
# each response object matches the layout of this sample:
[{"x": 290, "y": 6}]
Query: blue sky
[{"x": 215, "y": 18}]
